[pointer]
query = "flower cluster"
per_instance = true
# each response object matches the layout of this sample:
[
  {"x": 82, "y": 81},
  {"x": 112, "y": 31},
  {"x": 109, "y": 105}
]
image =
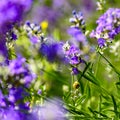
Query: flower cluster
[
  {"x": 34, "y": 32},
  {"x": 73, "y": 56},
  {"x": 14, "y": 11},
  {"x": 52, "y": 51},
  {"x": 14, "y": 88},
  {"x": 100, "y": 4},
  {"x": 78, "y": 28},
  {"x": 76, "y": 33},
  {"x": 108, "y": 27},
  {"x": 78, "y": 21},
  {"x": 11, "y": 37},
  {"x": 52, "y": 12},
  {"x": 19, "y": 69},
  {"x": 11, "y": 14}
]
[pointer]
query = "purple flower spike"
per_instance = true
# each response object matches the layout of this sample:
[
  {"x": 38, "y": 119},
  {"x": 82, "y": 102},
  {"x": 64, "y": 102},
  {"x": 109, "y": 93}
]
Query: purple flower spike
[
  {"x": 77, "y": 34},
  {"x": 108, "y": 27},
  {"x": 74, "y": 60},
  {"x": 101, "y": 42},
  {"x": 75, "y": 71},
  {"x": 52, "y": 51},
  {"x": 16, "y": 66}
]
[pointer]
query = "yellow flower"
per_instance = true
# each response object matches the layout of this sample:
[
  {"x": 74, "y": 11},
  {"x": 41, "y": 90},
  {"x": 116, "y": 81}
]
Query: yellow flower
[{"x": 44, "y": 25}]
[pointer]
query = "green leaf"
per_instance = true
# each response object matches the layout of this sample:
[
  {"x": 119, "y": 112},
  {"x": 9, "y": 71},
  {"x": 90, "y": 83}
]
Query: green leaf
[
  {"x": 88, "y": 90},
  {"x": 115, "y": 105},
  {"x": 82, "y": 74},
  {"x": 90, "y": 109},
  {"x": 80, "y": 100},
  {"x": 81, "y": 86},
  {"x": 101, "y": 114},
  {"x": 67, "y": 96}
]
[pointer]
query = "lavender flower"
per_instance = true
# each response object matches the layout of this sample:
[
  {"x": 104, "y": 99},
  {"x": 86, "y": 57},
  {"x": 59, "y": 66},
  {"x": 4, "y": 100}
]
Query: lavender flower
[
  {"x": 78, "y": 21},
  {"x": 75, "y": 71},
  {"x": 19, "y": 68},
  {"x": 77, "y": 34},
  {"x": 46, "y": 111},
  {"x": 17, "y": 83},
  {"x": 11, "y": 13},
  {"x": 108, "y": 27},
  {"x": 52, "y": 51},
  {"x": 62, "y": 4},
  {"x": 2, "y": 100},
  {"x": 16, "y": 66},
  {"x": 11, "y": 114},
  {"x": 72, "y": 54},
  {"x": 45, "y": 13},
  {"x": 14, "y": 11},
  {"x": 101, "y": 42},
  {"x": 34, "y": 32}
]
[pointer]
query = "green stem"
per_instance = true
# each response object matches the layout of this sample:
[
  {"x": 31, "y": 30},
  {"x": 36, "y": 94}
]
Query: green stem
[
  {"x": 10, "y": 54},
  {"x": 84, "y": 71},
  {"x": 98, "y": 63},
  {"x": 109, "y": 63},
  {"x": 72, "y": 81},
  {"x": 100, "y": 102}
]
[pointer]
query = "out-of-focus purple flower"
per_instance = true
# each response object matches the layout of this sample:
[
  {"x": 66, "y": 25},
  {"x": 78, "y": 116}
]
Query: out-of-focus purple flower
[
  {"x": 46, "y": 112},
  {"x": 57, "y": 5},
  {"x": 34, "y": 39},
  {"x": 14, "y": 11},
  {"x": 3, "y": 49},
  {"x": 77, "y": 34},
  {"x": 117, "y": 30},
  {"x": 14, "y": 36},
  {"x": 19, "y": 68},
  {"x": 39, "y": 91},
  {"x": 16, "y": 66},
  {"x": 10, "y": 114},
  {"x": 45, "y": 13},
  {"x": 2, "y": 100},
  {"x": 15, "y": 98},
  {"x": 17, "y": 93},
  {"x": 88, "y": 5},
  {"x": 52, "y": 51},
  {"x": 11, "y": 13}
]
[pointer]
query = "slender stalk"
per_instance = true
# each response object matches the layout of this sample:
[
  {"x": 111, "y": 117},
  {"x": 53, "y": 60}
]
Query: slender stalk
[
  {"x": 98, "y": 63},
  {"x": 100, "y": 102},
  {"x": 118, "y": 72},
  {"x": 72, "y": 81}
]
